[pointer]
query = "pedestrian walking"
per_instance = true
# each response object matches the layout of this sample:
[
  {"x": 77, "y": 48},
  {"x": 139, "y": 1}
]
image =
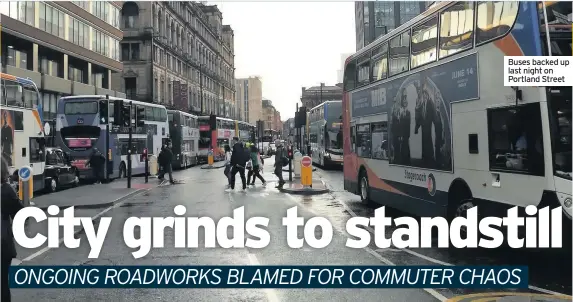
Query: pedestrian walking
[
  {"x": 228, "y": 165},
  {"x": 97, "y": 162},
  {"x": 160, "y": 161},
  {"x": 10, "y": 206},
  {"x": 280, "y": 161},
  {"x": 166, "y": 163},
  {"x": 257, "y": 163},
  {"x": 239, "y": 158}
]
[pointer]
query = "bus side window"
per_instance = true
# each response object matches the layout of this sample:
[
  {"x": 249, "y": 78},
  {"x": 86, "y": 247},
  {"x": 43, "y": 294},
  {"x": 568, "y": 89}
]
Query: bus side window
[
  {"x": 516, "y": 140},
  {"x": 37, "y": 147},
  {"x": 353, "y": 138},
  {"x": 13, "y": 93},
  {"x": 30, "y": 97}
]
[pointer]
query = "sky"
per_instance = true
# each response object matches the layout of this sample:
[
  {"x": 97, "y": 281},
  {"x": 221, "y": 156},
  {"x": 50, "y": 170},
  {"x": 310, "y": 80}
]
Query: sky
[{"x": 290, "y": 45}]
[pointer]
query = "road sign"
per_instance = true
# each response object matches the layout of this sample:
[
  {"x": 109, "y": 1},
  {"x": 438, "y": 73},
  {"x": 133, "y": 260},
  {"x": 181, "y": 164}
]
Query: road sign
[
  {"x": 25, "y": 187},
  {"x": 306, "y": 171},
  {"x": 25, "y": 173}
]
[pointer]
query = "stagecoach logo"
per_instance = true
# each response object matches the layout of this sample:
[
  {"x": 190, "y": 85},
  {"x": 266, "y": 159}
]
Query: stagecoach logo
[
  {"x": 431, "y": 185},
  {"x": 80, "y": 120}
]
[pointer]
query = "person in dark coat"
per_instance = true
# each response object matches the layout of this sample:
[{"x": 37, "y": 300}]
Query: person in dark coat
[
  {"x": 10, "y": 206},
  {"x": 97, "y": 162},
  {"x": 166, "y": 163},
  {"x": 239, "y": 158}
]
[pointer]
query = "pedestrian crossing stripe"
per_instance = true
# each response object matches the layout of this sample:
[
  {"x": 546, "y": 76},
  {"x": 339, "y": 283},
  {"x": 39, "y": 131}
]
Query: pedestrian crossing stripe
[{"x": 492, "y": 297}]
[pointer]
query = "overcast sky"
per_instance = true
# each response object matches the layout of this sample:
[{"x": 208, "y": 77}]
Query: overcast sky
[{"x": 290, "y": 45}]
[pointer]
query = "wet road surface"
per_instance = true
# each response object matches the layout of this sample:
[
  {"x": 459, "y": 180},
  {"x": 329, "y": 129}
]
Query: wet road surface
[{"x": 202, "y": 193}]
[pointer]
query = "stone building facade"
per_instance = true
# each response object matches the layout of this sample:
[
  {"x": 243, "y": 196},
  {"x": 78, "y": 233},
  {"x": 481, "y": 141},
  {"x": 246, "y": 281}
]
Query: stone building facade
[{"x": 178, "y": 54}]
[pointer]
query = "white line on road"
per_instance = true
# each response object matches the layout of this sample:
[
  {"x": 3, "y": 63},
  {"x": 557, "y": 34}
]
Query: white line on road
[
  {"x": 270, "y": 292},
  {"x": 433, "y": 260},
  {"x": 430, "y": 291},
  {"x": 100, "y": 214}
]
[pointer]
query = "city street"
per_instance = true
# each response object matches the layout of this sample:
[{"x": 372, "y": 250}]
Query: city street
[{"x": 202, "y": 193}]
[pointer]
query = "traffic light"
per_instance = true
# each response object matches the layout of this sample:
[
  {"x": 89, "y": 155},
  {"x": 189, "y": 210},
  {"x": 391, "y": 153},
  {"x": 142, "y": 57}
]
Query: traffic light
[
  {"x": 213, "y": 122},
  {"x": 125, "y": 115},
  {"x": 117, "y": 113},
  {"x": 139, "y": 116},
  {"x": 290, "y": 153},
  {"x": 103, "y": 112}
]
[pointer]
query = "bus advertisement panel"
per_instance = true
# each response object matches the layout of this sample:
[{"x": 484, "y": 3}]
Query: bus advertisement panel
[{"x": 22, "y": 134}]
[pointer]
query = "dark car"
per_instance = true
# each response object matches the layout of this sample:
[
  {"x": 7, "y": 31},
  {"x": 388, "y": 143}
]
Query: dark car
[{"x": 59, "y": 172}]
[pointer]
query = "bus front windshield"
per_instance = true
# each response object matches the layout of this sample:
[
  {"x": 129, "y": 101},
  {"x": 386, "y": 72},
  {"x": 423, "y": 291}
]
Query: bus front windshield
[
  {"x": 560, "y": 107},
  {"x": 204, "y": 139}
]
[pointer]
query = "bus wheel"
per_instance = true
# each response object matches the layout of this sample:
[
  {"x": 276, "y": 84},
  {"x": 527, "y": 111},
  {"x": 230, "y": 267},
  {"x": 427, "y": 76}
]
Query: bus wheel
[
  {"x": 462, "y": 211},
  {"x": 364, "y": 188},
  {"x": 122, "y": 171}
]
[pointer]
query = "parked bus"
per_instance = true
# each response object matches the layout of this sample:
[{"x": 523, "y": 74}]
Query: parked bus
[
  {"x": 215, "y": 140},
  {"x": 81, "y": 127},
  {"x": 22, "y": 135},
  {"x": 184, "y": 134},
  {"x": 325, "y": 133},
  {"x": 430, "y": 129}
]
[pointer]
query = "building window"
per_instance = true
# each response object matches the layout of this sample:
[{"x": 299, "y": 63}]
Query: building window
[
  {"x": 456, "y": 28},
  {"x": 75, "y": 74},
  {"x": 49, "y": 67},
  {"x": 17, "y": 58},
  {"x": 82, "y": 4},
  {"x": 130, "y": 51},
  {"x": 19, "y": 10},
  {"x": 131, "y": 88},
  {"x": 78, "y": 33},
  {"x": 130, "y": 14},
  {"x": 424, "y": 43},
  {"x": 51, "y": 20}
]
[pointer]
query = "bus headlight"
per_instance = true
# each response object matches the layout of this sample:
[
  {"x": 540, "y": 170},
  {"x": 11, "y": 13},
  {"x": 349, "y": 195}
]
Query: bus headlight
[{"x": 567, "y": 203}]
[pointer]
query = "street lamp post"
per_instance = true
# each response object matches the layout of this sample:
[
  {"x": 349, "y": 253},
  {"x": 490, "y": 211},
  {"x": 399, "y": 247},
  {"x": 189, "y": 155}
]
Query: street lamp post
[{"x": 201, "y": 87}]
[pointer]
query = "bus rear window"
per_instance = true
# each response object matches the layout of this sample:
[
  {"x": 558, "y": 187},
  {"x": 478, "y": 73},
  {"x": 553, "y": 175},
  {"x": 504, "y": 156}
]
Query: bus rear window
[{"x": 81, "y": 108}]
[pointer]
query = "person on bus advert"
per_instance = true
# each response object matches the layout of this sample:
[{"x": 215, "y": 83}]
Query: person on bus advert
[
  {"x": 239, "y": 158},
  {"x": 10, "y": 206},
  {"x": 97, "y": 162},
  {"x": 7, "y": 134}
]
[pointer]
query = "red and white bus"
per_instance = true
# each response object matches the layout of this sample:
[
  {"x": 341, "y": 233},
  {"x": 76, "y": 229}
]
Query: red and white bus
[
  {"x": 214, "y": 139},
  {"x": 429, "y": 127}
]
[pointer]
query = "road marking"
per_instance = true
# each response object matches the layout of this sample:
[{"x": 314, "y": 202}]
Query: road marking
[
  {"x": 430, "y": 291},
  {"x": 100, "y": 214},
  {"x": 270, "y": 292},
  {"x": 433, "y": 260},
  {"x": 500, "y": 295}
]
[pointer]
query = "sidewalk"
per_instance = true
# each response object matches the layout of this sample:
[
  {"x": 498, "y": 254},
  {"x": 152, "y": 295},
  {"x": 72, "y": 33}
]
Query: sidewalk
[
  {"x": 295, "y": 187},
  {"x": 216, "y": 165},
  {"x": 95, "y": 196}
]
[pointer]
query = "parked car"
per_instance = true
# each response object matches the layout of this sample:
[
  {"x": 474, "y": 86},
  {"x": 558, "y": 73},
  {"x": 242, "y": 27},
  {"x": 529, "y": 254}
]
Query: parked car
[{"x": 59, "y": 171}]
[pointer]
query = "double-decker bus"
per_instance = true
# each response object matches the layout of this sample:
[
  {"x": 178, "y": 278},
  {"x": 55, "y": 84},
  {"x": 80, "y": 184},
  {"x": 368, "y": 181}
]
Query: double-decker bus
[
  {"x": 429, "y": 127},
  {"x": 216, "y": 139},
  {"x": 244, "y": 130},
  {"x": 268, "y": 141},
  {"x": 81, "y": 127},
  {"x": 22, "y": 134},
  {"x": 184, "y": 134},
  {"x": 325, "y": 133}
]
